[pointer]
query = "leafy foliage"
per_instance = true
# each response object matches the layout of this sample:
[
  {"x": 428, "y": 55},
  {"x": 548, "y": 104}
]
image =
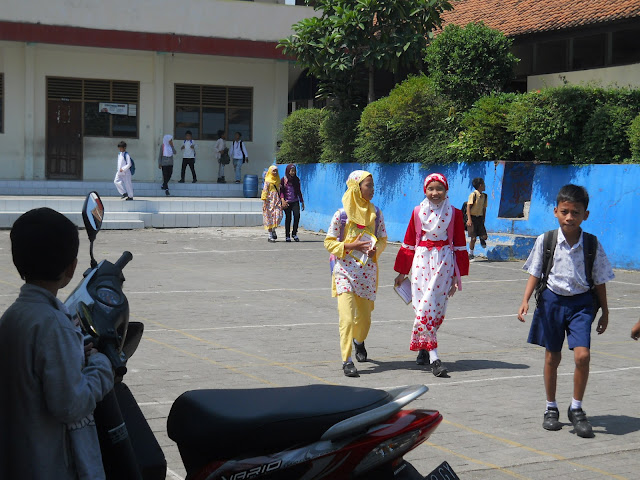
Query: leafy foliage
[
  {"x": 634, "y": 138},
  {"x": 351, "y": 38},
  {"x": 412, "y": 124},
  {"x": 338, "y": 132},
  {"x": 484, "y": 134},
  {"x": 301, "y": 141},
  {"x": 469, "y": 62},
  {"x": 603, "y": 135}
]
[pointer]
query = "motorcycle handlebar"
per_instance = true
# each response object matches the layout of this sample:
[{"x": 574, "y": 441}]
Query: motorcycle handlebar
[
  {"x": 125, "y": 258},
  {"x": 119, "y": 366}
]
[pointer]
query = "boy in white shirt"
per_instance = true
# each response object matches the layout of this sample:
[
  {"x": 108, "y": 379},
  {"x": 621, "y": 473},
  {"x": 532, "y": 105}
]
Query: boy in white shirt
[
  {"x": 188, "y": 157},
  {"x": 123, "y": 173},
  {"x": 575, "y": 271},
  {"x": 239, "y": 155}
]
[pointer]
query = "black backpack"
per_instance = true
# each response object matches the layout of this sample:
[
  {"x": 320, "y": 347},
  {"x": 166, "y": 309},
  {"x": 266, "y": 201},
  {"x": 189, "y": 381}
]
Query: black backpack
[
  {"x": 590, "y": 246},
  {"x": 465, "y": 218}
]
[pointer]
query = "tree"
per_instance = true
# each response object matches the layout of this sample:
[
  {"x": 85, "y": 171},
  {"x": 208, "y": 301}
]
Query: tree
[
  {"x": 468, "y": 63},
  {"x": 355, "y": 37}
]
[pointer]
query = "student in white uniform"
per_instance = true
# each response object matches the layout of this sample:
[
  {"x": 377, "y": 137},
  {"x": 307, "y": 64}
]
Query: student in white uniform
[
  {"x": 123, "y": 174},
  {"x": 188, "y": 157},
  {"x": 239, "y": 155}
]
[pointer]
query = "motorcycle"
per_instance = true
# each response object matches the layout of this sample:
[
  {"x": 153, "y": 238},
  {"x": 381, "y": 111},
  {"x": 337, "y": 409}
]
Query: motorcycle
[{"x": 308, "y": 432}]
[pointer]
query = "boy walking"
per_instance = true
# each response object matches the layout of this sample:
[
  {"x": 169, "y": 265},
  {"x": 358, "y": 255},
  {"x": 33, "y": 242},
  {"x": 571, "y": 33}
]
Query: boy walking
[
  {"x": 576, "y": 268},
  {"x": 188, "y": 157},
  {"x": 47, "y": 397},
  {"x": 123, "y": 173},
  {"x": 476, "y": 212}
]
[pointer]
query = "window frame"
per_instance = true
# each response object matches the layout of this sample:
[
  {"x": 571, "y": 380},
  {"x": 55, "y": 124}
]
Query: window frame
[
  {"x": 83, "y": 100},
  {"x": 2, "y": 102},
  {"x": 202, "y": 104}
]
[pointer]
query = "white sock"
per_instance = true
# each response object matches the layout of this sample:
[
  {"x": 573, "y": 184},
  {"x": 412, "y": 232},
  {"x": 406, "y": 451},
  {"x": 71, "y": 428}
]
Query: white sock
[
  {"x": 552, "y": 405},
  {"x": 357, "y": 342},
  {"x": 576, "y": 404},
  {"x": 471, "y": 251},
  {"x": 348, "y": 360},
  {"x": 433, "y": 355}
]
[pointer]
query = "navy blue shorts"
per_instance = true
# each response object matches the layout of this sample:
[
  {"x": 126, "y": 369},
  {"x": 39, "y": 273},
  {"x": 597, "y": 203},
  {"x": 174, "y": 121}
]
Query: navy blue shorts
[{"x": 557, "y": 315}]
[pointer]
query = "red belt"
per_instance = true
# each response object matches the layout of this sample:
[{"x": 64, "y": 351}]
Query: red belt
[{"x": 431, "y": 244}]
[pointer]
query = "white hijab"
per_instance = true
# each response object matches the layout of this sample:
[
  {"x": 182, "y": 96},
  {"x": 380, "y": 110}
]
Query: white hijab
[
  {"x": 435, "y": 218},
  {"x": 167, "y": 151}
]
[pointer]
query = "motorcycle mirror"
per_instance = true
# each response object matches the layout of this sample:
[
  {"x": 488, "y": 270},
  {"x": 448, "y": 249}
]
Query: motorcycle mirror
[{"x": 92, "y": 215}]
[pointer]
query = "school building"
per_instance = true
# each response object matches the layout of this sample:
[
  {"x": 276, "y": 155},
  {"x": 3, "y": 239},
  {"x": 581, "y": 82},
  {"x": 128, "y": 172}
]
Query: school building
[{"x": 78, "y": 77}]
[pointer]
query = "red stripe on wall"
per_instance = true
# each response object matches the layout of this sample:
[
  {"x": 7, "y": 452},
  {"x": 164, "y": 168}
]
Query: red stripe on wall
[{"x": 155, "y": 42}]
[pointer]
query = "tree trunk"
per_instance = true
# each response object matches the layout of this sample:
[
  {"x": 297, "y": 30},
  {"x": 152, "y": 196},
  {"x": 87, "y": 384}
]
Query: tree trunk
[{"x": 371, "y": 97}]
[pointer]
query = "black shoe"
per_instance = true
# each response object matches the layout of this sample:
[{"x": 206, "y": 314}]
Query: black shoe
[
  {"x": 550, "y": 421},
  {"x": 580, "y": 423},
  {"x": 166, "y": 192},
  {"x": 361, "y": 352},
  {"x": 483, "y": 243},
  {"x": 422, "y": 357},
  {"x": 237, "y": 181},
  {"x": 194, "y": 181},
  {"x": 181, "y": 180},
  {"x": 437, "y": 368},
  {"x": 273, "y": 234},
  {"x": 287, "y": 239},
  {"x": 163, "y": 187},
  {"x": 124, "y": 195},
  {"x": 295, "y": 238},
  {"x": 129, "y": 198},
  {"x": 350, "y": 370},
  {"x": 223, "y": 180}
]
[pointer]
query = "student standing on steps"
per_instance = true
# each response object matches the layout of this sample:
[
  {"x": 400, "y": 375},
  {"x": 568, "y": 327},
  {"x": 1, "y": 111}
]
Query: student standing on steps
[
  {"x": 239, "y": 155},
  {"x": 188, "y": 157}
]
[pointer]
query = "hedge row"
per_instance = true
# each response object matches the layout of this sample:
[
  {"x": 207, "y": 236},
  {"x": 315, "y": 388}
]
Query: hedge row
[{"x": 564, "y": 125}]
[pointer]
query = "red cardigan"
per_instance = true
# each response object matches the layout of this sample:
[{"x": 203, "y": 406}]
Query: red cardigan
[{"x": 404, "y": 259}]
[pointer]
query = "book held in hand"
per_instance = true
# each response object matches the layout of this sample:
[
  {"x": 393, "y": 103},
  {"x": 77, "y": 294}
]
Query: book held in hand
[{"x": 404, "y": 290}]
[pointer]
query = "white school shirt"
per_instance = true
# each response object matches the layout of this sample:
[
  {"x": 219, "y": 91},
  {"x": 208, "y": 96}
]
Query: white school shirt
[
  {"x": 189, "y": 152},
  {"x": 220, "y": 146},
  {"x": 123, "y": 163},
  {"x": 236, "y": 151},
  {"x": 568, "y": 276}
]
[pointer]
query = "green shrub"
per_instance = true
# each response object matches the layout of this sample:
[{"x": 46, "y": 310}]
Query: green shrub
[
  {"x": 338, "y": 131},
  {"x": 301, "y": 141},
  {"x": 469, "y": 62},
  {"x": 412, "y": 124},
  {"x": 484, "y": 134},
  {"x": 603, "y": 138},
  {"x": 634, "y": 138}
]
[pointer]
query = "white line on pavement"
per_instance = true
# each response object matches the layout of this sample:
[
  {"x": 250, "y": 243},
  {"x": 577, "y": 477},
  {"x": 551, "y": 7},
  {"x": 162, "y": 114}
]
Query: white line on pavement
[{"x": 232, "y": 251}]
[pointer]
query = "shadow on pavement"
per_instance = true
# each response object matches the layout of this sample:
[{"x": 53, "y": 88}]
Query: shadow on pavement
[
  {"x": 614, "y": 424},
  {"x": 452, "y": 367}
]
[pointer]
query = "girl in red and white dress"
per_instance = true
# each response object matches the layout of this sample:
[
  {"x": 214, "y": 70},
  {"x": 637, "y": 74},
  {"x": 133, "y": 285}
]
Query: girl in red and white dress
[{"x": 435, "y": 252}]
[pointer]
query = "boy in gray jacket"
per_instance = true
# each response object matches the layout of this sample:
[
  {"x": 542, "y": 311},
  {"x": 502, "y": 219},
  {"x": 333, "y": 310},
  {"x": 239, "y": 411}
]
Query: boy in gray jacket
[{"x": 46, "y": 394}]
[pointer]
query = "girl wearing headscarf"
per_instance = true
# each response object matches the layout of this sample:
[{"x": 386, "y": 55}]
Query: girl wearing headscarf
[
  {"x": 165, "y": 161},
  {"x": 291, "y": 196},
  {"x": 435, "y": 251},
  {"x": 271, "y": 204},
  {"x": 355, "y": 284}
]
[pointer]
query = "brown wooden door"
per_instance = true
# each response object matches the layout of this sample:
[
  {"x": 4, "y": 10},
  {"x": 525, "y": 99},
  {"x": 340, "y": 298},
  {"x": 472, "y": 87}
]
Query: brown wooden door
[{"x": 64, "y": 140}]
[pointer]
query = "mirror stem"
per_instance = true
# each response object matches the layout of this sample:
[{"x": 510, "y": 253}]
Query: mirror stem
[{"x": 93, "y": 260}]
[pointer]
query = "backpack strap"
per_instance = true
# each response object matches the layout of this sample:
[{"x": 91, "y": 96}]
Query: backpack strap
[
  {"x": 590, "y": 247},
  {"x": 549, "y": 243}
]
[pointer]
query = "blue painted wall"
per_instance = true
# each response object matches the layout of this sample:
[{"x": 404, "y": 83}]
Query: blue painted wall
[{"x": 614, "y": 198}]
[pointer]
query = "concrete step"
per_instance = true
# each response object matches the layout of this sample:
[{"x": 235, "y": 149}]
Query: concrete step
[
  {"x": 503, "y": 247},
  {"x": 122, "y": 224},
  {"x": 140, "y": 189}
]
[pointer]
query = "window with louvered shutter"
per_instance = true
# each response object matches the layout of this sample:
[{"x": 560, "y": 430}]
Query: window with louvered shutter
[
  {"x": 205, "y": 109},
  {"x": 91, "y": 93}
]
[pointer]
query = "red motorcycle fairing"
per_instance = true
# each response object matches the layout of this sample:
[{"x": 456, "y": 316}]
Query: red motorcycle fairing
[{"x": 334, "y": 460}]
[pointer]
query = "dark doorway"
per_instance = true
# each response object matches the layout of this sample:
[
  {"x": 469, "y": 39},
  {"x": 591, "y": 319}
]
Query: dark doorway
[{"x": 64, "y": 140}]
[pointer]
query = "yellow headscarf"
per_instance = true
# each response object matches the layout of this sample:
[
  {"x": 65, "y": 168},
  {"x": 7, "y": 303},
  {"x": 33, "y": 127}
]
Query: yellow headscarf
[
  {"x": 359, "y": 210},
  {"x": 273, "y": 177}
]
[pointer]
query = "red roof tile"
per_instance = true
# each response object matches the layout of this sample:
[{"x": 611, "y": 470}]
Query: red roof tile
[{"x": 520, "y": 17}]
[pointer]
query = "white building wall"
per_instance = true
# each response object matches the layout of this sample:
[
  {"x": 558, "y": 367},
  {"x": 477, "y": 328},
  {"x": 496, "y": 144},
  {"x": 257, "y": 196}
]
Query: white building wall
[
  {"x": 622, "y": 76},
  {"x": 157, "y": 74},
  {"x": 263, "y": 21}
]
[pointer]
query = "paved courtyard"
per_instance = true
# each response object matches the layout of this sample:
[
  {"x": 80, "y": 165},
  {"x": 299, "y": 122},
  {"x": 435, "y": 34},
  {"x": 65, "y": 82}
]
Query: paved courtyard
[{"x": 223, "y": 308}]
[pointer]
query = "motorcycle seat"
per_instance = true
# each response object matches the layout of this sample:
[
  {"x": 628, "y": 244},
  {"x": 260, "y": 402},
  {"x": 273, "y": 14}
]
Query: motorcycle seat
[{"x": 211, "y": 425}]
